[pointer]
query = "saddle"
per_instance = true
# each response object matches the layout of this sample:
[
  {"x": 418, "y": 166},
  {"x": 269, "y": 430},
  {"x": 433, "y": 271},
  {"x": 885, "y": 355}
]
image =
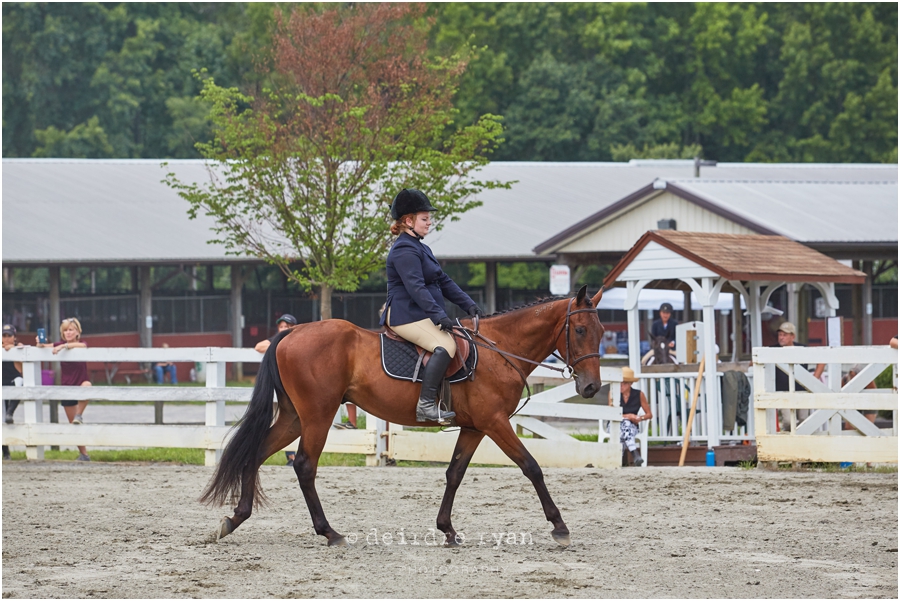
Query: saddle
[{"x": 404, "y": 360}]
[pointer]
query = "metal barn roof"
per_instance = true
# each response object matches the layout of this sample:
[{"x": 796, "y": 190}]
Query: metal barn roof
[{"x": 66, "y": 211}]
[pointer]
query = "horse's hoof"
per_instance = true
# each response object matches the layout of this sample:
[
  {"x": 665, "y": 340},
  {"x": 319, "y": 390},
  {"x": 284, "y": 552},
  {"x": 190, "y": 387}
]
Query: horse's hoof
[
  {"x": 337, "y": 542},
  {"x": 451, "y": 543},
  {"x": 562, "y": 538},
  {"x": 225, "y": 528}
]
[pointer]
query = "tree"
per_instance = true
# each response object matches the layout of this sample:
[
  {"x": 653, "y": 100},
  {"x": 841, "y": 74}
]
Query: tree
[{"x": 352, "y": 112}]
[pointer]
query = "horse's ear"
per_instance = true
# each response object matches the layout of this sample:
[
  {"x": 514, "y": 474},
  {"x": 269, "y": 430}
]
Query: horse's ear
[
  {"x": 596, "y": 300},
  {"x": 579, "y": 298}
]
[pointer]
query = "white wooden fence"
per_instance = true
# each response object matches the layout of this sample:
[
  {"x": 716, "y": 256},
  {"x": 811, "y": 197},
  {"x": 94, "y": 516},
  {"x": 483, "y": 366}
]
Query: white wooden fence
[
  {"x": 669, "y": 396},
  {"x": 377, "y": 442},
  {"x": 820, "y": 436}
]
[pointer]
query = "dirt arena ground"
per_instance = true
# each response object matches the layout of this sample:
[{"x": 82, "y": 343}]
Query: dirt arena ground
[{"x": 126, "y": 531}]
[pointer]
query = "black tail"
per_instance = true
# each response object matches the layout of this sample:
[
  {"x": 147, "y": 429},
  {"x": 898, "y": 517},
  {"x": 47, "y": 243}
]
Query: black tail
[{"x": 245, "y": 446}]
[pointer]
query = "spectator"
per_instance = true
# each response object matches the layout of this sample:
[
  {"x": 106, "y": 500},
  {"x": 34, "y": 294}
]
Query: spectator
[
  {"x": 854, "y": 371},
  {"x": 787, "y": 335},
  {"x": 632, "y": 400},
  {"x": 74, "y": 373},
  {"x": 893, "y": 342},
  {"x": 665, "y": 325},
  {"x": 163, "y": 368},
  {"x": 285, "y": 322},
  {"x": 12, "y": 371}
]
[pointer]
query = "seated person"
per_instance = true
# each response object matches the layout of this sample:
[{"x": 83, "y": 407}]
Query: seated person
[{"x": 163, "y": 368}]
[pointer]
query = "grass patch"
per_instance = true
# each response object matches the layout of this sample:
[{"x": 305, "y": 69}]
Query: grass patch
[{"x": 178, "y": 456}]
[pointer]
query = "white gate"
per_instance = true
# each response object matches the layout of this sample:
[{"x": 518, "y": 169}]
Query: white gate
[{"x": 821, "y": 436}]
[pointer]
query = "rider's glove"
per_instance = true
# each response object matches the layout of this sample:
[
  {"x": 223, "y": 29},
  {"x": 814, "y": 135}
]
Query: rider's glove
[
  {"x": 446, "y": 324},
  {"x": 475, "y": 310}
]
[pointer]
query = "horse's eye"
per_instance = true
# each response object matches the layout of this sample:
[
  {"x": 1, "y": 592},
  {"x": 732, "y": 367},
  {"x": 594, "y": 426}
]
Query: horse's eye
[{"x": 579, "y": 330}]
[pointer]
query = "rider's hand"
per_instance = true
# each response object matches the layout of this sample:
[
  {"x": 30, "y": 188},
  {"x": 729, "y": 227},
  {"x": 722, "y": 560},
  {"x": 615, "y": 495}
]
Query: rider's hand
[
  {"x": 446, "y": 324},
  {"x": 475, "y": 310}
]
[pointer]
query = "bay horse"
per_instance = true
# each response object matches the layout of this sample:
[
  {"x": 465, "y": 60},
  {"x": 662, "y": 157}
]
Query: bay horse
[{"x": 313, "y": 367}]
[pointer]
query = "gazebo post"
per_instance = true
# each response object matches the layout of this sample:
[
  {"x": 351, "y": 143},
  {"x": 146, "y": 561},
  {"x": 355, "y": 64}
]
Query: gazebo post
[
  {"x": 634, "y": 327},
  {"x": 713, "y": 407}
]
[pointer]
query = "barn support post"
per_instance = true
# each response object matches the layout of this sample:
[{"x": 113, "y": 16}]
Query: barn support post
[
  {"x": 55, "y": 320},
  {"x": 145, "y": 314},
  {"x": 867, "y": 268},
  {"x": 490, "y": 287},
  {"x": 237, "y": 314}
]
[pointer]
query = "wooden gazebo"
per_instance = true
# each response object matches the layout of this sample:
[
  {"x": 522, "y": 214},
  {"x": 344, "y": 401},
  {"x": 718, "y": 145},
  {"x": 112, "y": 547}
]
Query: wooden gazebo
[{"x": 709, "y": 264}]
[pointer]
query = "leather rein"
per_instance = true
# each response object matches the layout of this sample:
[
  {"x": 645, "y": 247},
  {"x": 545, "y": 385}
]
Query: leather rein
[{"x": 568, "y": 371}]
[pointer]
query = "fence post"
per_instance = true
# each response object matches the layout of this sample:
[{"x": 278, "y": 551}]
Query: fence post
[
  {"x": 215, "y": 409},
  {"x": 379, "y": 458},
  {"x": 34, "y": 409}
]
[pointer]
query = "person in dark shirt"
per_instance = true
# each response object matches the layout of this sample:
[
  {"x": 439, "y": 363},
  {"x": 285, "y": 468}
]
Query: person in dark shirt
[
  {"x": 632, "y": 400},
  {"x": 787, "y": 335},
  {"x": 11, "y": 371},
  {"x": 665, "y": 325},
  {"x": 285, "y": 322},
  {"x": 74, "y": 373}
]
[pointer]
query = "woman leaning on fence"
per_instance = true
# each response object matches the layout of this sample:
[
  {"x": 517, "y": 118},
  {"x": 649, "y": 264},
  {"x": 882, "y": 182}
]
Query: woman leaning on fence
[{"x": 74, "y": 373}]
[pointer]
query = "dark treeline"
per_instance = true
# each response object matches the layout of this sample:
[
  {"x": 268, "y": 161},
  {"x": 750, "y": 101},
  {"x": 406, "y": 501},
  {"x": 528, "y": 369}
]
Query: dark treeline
[{"x": 573, "y": 82}]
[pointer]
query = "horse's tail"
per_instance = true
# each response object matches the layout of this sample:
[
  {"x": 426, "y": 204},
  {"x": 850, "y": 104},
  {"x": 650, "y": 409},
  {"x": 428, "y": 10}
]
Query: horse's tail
[{"x": 245, "y": 446}]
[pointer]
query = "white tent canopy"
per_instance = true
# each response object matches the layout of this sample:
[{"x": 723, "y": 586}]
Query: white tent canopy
[{"x": 650, "y": 300}]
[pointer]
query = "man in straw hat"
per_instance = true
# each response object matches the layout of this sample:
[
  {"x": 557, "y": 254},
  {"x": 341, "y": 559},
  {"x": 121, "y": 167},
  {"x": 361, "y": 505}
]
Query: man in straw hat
[{"x": 631, "y": 400}]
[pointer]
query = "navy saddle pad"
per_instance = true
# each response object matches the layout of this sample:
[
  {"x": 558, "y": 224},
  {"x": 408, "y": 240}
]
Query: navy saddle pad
[{"x": 399, "y": 358}]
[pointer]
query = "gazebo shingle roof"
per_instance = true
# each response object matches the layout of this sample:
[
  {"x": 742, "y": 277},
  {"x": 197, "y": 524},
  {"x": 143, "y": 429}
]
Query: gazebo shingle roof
[{"x": 743, "y": 257}]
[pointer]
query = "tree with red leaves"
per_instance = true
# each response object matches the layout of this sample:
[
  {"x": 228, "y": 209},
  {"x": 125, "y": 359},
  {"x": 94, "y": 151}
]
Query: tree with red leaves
[{"x": 353, "y": 111}]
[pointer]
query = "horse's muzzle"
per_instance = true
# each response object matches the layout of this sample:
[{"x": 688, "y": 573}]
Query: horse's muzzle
[{"x": 590, "y": 390}]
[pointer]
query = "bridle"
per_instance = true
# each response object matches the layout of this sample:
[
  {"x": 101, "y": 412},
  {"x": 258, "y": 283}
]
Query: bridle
[{"x": 568, "y": 371}]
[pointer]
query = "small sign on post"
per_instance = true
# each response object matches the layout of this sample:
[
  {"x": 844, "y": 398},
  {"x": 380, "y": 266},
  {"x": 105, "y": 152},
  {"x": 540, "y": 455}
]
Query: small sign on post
[
  {"x": 560, "y": 280},
  {"x": 834, "y": 327}
]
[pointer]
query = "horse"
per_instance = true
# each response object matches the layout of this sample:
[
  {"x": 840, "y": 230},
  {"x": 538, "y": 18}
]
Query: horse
[
  {"x": 313, "y": 367},
  {"x": 659, "y": 353}
]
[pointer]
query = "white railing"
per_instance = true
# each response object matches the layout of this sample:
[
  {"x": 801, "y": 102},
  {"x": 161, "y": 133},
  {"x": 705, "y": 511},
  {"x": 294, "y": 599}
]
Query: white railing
[
  {"x": 821, "y": 436},
  {"x": 376, "y": 441},
  {"x": 211, "y": 436},
  {"x": 669, "y": 396}
]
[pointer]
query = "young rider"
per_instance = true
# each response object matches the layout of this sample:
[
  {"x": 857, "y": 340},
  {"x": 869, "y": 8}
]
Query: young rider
[{"x": 416, "y": 289}]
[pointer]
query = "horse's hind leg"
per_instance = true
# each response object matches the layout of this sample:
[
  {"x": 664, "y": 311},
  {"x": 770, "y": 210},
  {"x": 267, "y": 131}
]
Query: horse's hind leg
[
  {"x": 465, "y": 447},
  {"x": 285, "y": 430},
  {"x": 306, "y": 464},
  {"x": 503, "y": 434}
]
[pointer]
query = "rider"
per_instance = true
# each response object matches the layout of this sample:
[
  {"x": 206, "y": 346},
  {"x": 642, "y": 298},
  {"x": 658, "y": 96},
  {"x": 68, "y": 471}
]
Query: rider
[
  {"x": 665, "y": 325},
  {"x": 416, "y": 287}
]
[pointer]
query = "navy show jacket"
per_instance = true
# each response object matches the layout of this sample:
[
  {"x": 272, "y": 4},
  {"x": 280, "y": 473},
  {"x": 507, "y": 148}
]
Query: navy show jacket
[
  {"x": 416, "y": 284},
  {"x": 668, "y": 330}
]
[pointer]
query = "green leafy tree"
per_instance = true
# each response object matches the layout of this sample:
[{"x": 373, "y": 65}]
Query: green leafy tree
[{"x": 352, "y": 112}]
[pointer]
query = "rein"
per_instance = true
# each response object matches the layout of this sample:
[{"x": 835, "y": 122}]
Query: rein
[{"x": 568, "y": 371}]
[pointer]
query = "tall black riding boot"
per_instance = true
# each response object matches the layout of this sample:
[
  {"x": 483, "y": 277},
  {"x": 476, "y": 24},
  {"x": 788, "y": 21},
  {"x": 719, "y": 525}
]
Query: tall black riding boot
[
  {"x": 427, "y": 410},
  {"x": 10, "y": 409},
  {"x": 638, "y": 460}
]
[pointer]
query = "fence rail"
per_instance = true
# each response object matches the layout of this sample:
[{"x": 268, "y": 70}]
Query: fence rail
[
  {"x": 824, "y": 421},
  {"x": 378, "y": 442}
]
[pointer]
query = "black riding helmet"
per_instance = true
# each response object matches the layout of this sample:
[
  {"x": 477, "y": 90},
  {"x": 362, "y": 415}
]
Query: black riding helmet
[{"x": 410, "y": 201}]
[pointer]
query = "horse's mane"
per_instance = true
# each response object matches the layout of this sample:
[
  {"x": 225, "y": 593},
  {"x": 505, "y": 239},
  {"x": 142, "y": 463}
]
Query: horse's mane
[{"x": 540, "y": 301}]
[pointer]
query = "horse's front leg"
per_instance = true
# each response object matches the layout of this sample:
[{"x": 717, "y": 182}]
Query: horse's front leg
[
  {"x": 502, "y": 433},
  {"x": 465, "y": 447}
]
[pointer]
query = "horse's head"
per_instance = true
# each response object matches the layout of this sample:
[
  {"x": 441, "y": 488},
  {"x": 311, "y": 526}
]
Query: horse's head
[{"x": 579, "y": 345}]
